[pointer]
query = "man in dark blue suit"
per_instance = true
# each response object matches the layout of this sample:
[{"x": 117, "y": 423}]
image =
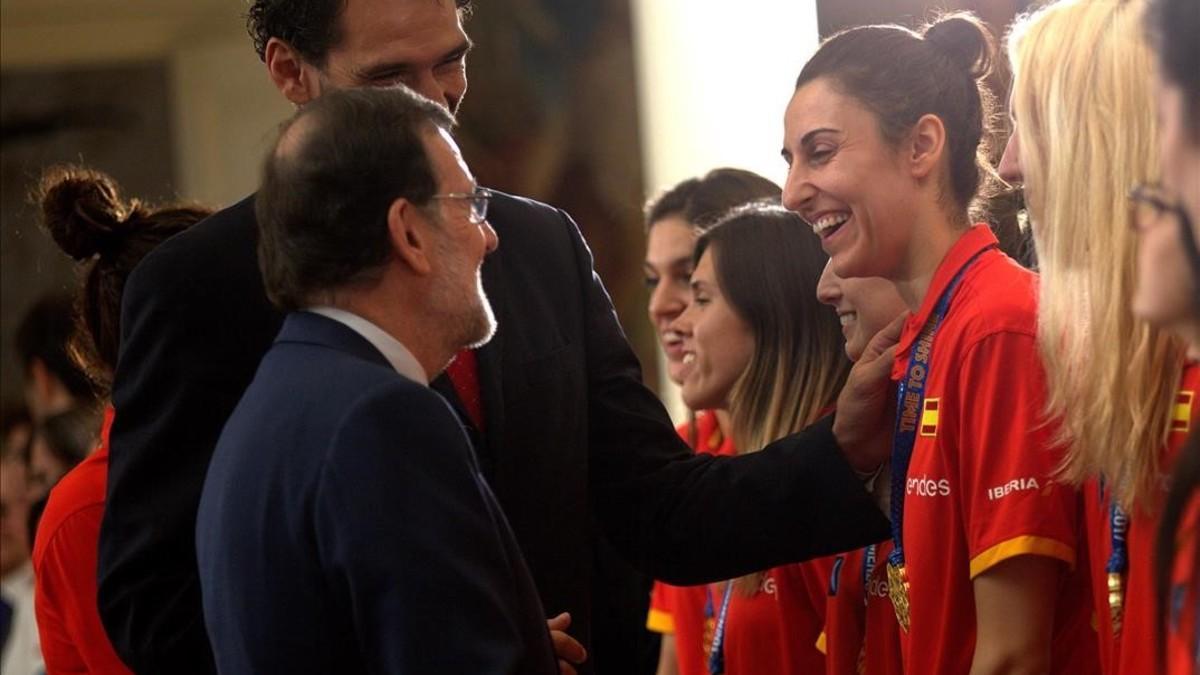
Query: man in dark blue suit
[{"x": 345, "y": 525}]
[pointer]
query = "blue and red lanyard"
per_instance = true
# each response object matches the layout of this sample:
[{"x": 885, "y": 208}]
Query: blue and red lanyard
[
  {"x": 911, "y": 390},
  {"x": 716, "y": 655}
]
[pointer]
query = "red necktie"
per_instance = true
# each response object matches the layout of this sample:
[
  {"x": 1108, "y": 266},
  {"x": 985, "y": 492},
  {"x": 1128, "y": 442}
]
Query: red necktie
[{"x": 463, "y": 372}]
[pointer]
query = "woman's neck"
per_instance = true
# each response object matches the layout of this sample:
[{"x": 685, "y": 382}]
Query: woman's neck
[
  {"x": 724, "y": 422},
  {"x": 928, "y": 248},
  {"x": 1189, "y": 332}
]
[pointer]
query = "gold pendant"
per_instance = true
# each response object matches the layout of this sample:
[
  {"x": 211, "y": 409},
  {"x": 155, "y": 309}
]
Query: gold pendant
[
  {"x": 710, "y": 628},
  {"x": 898, "y": 592},
  {"x": 1116, "y": 600}
]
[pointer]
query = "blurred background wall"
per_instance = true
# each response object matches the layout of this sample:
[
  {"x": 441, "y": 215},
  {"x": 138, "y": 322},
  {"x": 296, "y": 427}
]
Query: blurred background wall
[{"x": 590, "y": 105}]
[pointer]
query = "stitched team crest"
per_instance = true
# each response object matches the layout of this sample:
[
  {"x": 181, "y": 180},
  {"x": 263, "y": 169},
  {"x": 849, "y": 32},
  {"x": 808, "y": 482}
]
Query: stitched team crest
[
  {"x": 929, "y": 417},
  {"x": 1181, "y": 415}
]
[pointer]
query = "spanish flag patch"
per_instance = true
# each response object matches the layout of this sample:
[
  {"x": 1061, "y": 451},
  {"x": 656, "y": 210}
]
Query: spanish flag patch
[
  {"x": 1181, "y": 416},
  {"x": 929, "y": 417}
]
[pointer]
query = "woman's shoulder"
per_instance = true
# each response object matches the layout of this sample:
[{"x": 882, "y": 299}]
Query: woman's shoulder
[{"x": 999, "y": 296}]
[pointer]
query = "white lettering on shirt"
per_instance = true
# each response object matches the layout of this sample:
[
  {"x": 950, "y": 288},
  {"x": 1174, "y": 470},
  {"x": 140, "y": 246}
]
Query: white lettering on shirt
[
  {"x": 924, "y": 486},
  {"x": 1014, "y": 485}
]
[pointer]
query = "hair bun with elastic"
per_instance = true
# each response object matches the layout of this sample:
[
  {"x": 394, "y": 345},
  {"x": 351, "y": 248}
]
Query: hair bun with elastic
[
  {"x": 964, "y": 39},
  {"x": 82, "y": 209}
]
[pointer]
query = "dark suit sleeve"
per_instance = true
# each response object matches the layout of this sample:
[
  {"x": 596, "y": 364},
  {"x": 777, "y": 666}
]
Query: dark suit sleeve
[
  {"x": 404, "y": 527},
  {"x": 193, "y": 330},
  {"x": 688, "y": 518}
]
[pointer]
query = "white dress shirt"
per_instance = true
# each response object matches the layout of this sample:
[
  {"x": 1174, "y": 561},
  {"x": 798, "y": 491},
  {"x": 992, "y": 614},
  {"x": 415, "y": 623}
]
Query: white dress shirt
[{"x": 392, "y": 349}]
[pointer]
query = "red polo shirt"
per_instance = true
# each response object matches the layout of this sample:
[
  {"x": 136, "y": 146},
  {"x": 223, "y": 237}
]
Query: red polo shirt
[
  {"x": 1183, "y": 652},
  {"x": 842, "y": 640},
  {"x": 1134, "y": 650},
  {"x": 680, "y": 610},
  {"x": 775, "y": 629},
  {"x": 64, "y": 563},
  {"x": 979, "y": 489},
  {"x": 861, "y": 633}
]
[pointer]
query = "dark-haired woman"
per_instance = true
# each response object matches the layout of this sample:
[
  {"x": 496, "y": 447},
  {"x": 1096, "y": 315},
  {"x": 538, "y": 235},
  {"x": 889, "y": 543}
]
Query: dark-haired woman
[
  {"x": 1174, "y": 26},
  {"x": 883, "y": 137},
  {"x": 758, "y": 344},
  {"x": 84, "y": 213},
  {"x": 685, "y": 616}
]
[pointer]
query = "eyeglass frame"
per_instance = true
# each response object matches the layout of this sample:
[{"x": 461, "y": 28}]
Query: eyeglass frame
[
  {"x": 480, "y": 199},
  {"x": 1152, "y": 195}
]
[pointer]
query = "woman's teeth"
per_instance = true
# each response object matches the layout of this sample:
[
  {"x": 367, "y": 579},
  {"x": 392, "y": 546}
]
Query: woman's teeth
[
  {"x": 829, "y": 221},
  {"x": 689, "y": 358},
  {"x": 847, "y": 318}
]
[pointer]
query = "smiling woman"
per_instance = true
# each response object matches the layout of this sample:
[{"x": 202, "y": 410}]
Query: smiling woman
[
  {"x": 758, "y": 342},
  {"x": 885, "y": 137}
]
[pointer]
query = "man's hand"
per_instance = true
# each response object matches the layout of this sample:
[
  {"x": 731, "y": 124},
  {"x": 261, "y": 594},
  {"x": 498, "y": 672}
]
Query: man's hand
[
  {"x": 568, "y": 650},
  {"x": 863, "y": 425}
]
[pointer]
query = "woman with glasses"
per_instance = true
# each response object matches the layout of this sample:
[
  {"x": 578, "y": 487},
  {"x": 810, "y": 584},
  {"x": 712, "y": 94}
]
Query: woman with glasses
[
  {"x": 1119, "y": 382},
  {"x": 1174, "y": 26}
]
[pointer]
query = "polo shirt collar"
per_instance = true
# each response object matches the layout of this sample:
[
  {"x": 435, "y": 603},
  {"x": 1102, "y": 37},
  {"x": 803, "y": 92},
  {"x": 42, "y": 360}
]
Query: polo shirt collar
[{"x": 968, "y": 245}]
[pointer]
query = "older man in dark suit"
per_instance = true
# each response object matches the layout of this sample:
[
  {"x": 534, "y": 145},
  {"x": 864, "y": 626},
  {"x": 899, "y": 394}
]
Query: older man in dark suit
[{"x": 345, "y": 525}]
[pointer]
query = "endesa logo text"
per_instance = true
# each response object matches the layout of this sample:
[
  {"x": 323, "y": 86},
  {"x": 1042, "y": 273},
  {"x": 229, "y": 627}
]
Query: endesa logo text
[{"x": 924, "y": 486}]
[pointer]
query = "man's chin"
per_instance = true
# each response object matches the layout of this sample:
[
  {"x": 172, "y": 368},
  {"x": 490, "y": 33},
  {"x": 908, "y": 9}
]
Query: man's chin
[{"x": 484, "y": 325}]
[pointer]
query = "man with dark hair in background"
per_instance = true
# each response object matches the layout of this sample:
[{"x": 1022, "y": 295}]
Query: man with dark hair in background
[
  {"x": 568, "y": 437},
  {"x": 353, "y": 532}
]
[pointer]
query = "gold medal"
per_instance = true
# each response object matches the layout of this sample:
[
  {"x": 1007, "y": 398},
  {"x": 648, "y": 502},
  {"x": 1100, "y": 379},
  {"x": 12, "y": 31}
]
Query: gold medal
[
  {"x": 898, "y": 592},
  {"x": 1116, "y": 600}
]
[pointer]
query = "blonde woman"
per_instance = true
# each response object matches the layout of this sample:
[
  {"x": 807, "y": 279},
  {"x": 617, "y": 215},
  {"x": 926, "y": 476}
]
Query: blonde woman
[
  {"x": 1085, "y": 133},
  {"x": 758, "y": 344}
]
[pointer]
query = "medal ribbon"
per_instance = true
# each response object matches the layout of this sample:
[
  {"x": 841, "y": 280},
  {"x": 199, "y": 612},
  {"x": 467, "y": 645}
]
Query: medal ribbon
[
  {"x": 910, "y": 395},
  {"x": 1118, "y": 559},
  {"x": 716, "y": 657}
]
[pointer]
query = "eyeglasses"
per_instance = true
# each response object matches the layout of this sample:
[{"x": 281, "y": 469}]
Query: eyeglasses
[
  {"x": 479, "y": 199},
  {"x": 1151, "y": 202}
]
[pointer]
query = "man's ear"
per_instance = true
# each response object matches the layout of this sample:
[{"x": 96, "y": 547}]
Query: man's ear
[
  {"x": 294, "y": 77},
  {"x": 408, "y": 231},
  {"x": 927, "y": 146}
]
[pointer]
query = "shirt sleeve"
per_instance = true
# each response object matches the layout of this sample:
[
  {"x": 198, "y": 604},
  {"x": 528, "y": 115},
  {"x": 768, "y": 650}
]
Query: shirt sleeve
[
  {"x": 72, "y": 637},
  {"x": 1011, "y": 505},
  {"x": 661, "y": 618},
  {"x": 693, "y": 518}
]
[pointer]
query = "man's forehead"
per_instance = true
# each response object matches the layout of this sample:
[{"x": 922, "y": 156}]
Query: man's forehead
[{"x": 398, "y": 30}]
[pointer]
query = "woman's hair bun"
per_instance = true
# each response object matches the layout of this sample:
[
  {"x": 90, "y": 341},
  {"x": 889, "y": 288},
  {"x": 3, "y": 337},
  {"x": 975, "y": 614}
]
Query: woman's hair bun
[
  {"x": 964, "y": 39},
  {"x": 82, "y": 210}
]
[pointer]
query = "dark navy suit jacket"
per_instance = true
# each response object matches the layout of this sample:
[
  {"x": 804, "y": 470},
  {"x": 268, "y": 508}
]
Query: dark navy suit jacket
[{"x": 344, "y": 526}]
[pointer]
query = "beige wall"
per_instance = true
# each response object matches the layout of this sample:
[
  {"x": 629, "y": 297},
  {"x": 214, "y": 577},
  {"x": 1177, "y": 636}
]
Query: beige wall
[
  {"x": 225, "y": 111},
  {"x": 223, "y": 107},
  {"x": 713, "y": 82}
]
